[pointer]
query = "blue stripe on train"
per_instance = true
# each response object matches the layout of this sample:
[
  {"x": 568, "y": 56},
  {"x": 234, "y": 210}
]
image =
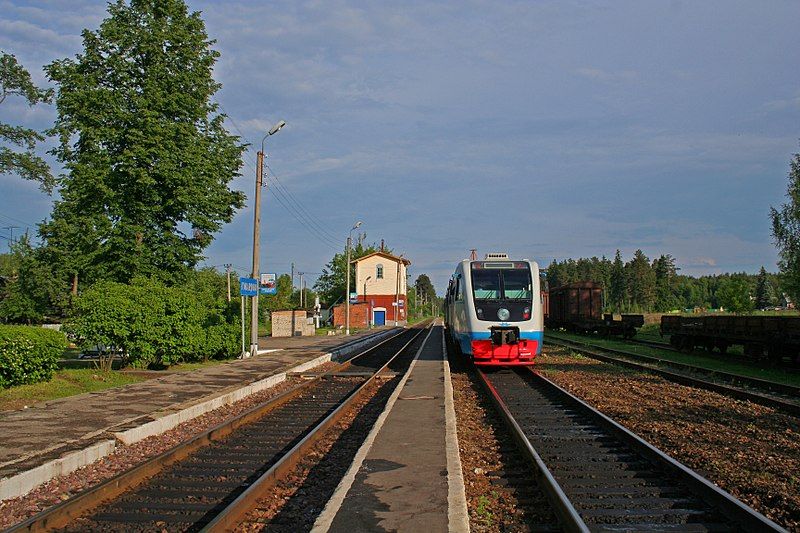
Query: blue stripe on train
[{"x": 464, "y": 339}]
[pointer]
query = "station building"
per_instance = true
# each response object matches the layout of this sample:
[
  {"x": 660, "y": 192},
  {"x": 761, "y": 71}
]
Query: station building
[
  {"x": 380, "y": 290},
  {"x": 381, "y": 284}
]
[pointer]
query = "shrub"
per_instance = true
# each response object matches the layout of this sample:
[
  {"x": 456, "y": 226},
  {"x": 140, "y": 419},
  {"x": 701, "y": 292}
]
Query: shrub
[
  {"x": 154, "y": 324},
  {"x": 29, "y": 354}
]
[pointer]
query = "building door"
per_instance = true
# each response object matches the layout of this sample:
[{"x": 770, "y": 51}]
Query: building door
[{"x": 379, "y": 317}]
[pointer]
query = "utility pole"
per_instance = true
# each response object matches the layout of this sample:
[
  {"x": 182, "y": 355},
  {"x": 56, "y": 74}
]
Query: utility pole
[
  {"x": 257, "y": 237},
  {"x": 301, "y": 288},
  {"x": 397, "y": 293},
  {"x": 256, "y": 252},
  {"x": 228, "y": 272},
  {"x": 11, "y": 232},
  {"x": 292, "y": 276}
]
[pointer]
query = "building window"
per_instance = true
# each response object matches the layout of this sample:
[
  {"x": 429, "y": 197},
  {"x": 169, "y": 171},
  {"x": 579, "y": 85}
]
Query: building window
[{"x": 379, "y": 272}]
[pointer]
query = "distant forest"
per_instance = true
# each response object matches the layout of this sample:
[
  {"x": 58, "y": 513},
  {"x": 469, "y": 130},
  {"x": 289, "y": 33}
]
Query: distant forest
[{"x": 641, "y": 285}]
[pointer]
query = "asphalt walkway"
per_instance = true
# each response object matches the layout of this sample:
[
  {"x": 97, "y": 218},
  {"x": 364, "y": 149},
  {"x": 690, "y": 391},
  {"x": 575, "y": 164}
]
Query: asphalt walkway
[{"x": 407, "y": 476}]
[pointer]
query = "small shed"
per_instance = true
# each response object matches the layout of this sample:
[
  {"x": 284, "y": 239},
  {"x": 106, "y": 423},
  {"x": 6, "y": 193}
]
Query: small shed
[{"x": 292, "y": 323}]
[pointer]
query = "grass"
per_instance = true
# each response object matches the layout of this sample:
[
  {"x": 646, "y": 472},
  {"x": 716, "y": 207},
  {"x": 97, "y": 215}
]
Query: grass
[
  {"x": 64, "y": 383},
  {"x": 712, "y": 363},
  {"x": 483, "y": 510}
]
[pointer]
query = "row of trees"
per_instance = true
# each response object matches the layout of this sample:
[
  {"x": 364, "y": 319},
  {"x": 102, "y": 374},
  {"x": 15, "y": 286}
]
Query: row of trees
[
  {"x": 641, "y": 285},
  {"x": 147, "y": 166}
]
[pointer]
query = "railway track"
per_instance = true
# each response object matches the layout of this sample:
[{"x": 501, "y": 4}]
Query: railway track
[
  {"x": 778, "y": 395},
  {"x": 601, "y": 477},
  {"x": 210, "y": 482}
]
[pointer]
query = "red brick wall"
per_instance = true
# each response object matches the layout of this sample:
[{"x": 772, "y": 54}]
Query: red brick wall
[
  {"x": 358, "y": 315},
  {"x": 360, "y": 312}
]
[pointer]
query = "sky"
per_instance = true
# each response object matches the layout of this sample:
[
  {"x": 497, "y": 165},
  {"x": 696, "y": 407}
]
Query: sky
[{"x": 543, "y": 129}]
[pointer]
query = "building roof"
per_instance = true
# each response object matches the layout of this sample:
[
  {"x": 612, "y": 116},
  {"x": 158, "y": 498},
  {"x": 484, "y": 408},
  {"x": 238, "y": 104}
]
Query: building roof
[{"x": 390, "y": 257}]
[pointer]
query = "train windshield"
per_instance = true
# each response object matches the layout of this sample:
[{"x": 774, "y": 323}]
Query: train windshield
[{"x": 502, "y": 284}]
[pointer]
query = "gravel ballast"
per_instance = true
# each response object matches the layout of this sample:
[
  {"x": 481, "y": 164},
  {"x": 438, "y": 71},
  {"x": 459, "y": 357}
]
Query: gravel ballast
[
  {"x": 124, "y": 458},
  {"x": 751, "y": 451},
  {"x": 501, "y": 492}
]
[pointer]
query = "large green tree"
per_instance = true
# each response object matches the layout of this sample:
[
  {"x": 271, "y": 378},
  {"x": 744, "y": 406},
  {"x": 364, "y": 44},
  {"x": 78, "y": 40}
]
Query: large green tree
[
  {"x": 641, "y": 282},
  {"x": 665, "y": 273},
  {"x": 17, "y": 154},
  {"x": 148, "y": 162},
  {"x": 618, "y": 285},
  {"x": 786, "y": 232}
]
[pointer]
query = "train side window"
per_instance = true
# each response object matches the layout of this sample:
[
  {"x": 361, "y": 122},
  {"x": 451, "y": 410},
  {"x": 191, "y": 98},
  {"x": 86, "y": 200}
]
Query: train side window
[{"x": 459, "y": 294}]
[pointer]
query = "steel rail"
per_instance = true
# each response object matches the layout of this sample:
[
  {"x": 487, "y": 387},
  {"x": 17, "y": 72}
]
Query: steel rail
[
  {"x": 783, "y": 388},
  {"x": 228, "y": 518},
  {"x": 730, "y": 507},
  {"x": 567, "y": 515},
  {"x": 685, "y": 379},
  {"x": 62, "y": 514}
]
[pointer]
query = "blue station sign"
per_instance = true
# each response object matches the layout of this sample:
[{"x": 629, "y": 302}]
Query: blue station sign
[{"x": 248, "y": 286}]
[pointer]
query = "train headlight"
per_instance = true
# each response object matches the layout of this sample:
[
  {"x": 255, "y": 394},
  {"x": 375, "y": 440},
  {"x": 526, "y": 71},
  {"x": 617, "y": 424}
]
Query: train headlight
[
  {"x": 526, "y": 313},
  {"x": 480, "y": 313},
  {"x": 503, "y": 314}
]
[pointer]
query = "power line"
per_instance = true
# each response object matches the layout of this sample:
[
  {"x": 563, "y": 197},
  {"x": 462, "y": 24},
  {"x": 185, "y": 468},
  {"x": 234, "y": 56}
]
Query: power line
[
  {"x": 306, "y": 221},
  {"x": 310, "y": 216}
]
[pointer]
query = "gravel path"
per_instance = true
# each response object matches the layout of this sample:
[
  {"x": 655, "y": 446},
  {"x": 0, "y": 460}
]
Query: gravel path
[
  {"x": 501, "y": 494},
  {"x": 124, "y": 458},
  {"x": 749, "y": 450}
]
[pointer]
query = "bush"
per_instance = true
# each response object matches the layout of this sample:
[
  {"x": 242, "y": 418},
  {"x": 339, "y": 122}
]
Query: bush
[
  {"x": 29, "y": 354},
  {"x": 154, "y": 324}
]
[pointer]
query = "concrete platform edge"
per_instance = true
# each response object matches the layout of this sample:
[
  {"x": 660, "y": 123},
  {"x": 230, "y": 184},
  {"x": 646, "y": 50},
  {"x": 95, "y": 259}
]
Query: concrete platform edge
[
  {"x": 326, "y": 517},
  {"x": 457, "y": 513},
  {"x": 25, "y": 482}
]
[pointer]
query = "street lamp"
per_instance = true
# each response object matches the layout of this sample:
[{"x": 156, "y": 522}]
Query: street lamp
[
  {"x": 397, "y": 294},
  {"x": 347, "y": 288},
  {"x": 369, "y": 307},
  {"x": 257, "y": 236}
]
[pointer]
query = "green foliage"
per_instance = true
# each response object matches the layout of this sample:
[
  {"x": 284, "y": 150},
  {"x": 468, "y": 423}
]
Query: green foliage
[
  {"x": 733, "y": 295},
  {"x": 424, "y": 287},
  {"x": 29, "y": 354},
  {"x": 33, "y": 291},
  {"x": 637, "y": 286},
  {"x": 153, "y": 324},
  {"x": 15, "y": 80},
  {"x": 786, "y": 232},
  {"x": 765, "y": 296},
  {"x": 148, "y": 162}
]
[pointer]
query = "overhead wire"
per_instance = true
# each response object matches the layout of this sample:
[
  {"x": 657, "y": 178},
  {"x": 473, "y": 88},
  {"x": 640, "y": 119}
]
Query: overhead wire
[{"x": 282, "y": 195}]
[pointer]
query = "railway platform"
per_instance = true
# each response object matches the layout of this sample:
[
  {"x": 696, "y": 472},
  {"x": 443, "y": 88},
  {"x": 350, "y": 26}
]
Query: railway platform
[
  {"x": 57, "y": 437},
  {"x": 407, "y": 475}
]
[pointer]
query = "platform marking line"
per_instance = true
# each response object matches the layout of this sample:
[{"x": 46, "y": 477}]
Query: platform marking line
[
  {"x": 457, "y": 513},
  {"x": 328, "y": 514}
]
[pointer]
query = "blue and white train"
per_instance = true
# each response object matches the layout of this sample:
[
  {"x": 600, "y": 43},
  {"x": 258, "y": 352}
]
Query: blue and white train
[{"x": 493, "y": 310}]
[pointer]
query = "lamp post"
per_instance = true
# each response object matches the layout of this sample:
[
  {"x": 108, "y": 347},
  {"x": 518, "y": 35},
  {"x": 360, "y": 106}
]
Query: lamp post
[
  {"x": 257, "y": 236},
  {"x": 347, "y": 288},
  {"x": 397, "y": 293},
  {"x": 369, "y": 307}
]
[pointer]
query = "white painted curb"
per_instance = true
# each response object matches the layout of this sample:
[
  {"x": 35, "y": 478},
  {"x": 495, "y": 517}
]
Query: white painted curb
[
  {"x": 23, "y": 483},
  {"x": 457, "y": 513}
]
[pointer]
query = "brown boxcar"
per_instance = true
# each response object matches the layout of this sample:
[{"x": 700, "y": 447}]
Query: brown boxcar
[
  {"x": 775, "y": 337},
  {"x": 576, "y": 303}
]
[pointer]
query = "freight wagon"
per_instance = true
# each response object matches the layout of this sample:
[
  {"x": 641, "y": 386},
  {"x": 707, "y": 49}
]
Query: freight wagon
[
  {"x": 773, "y": 337},
  {"x": 579, "y": 307}
]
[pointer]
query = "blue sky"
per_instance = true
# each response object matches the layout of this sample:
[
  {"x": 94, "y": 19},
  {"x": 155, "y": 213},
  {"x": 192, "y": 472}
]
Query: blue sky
[{"x": 545, "y": 129}]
